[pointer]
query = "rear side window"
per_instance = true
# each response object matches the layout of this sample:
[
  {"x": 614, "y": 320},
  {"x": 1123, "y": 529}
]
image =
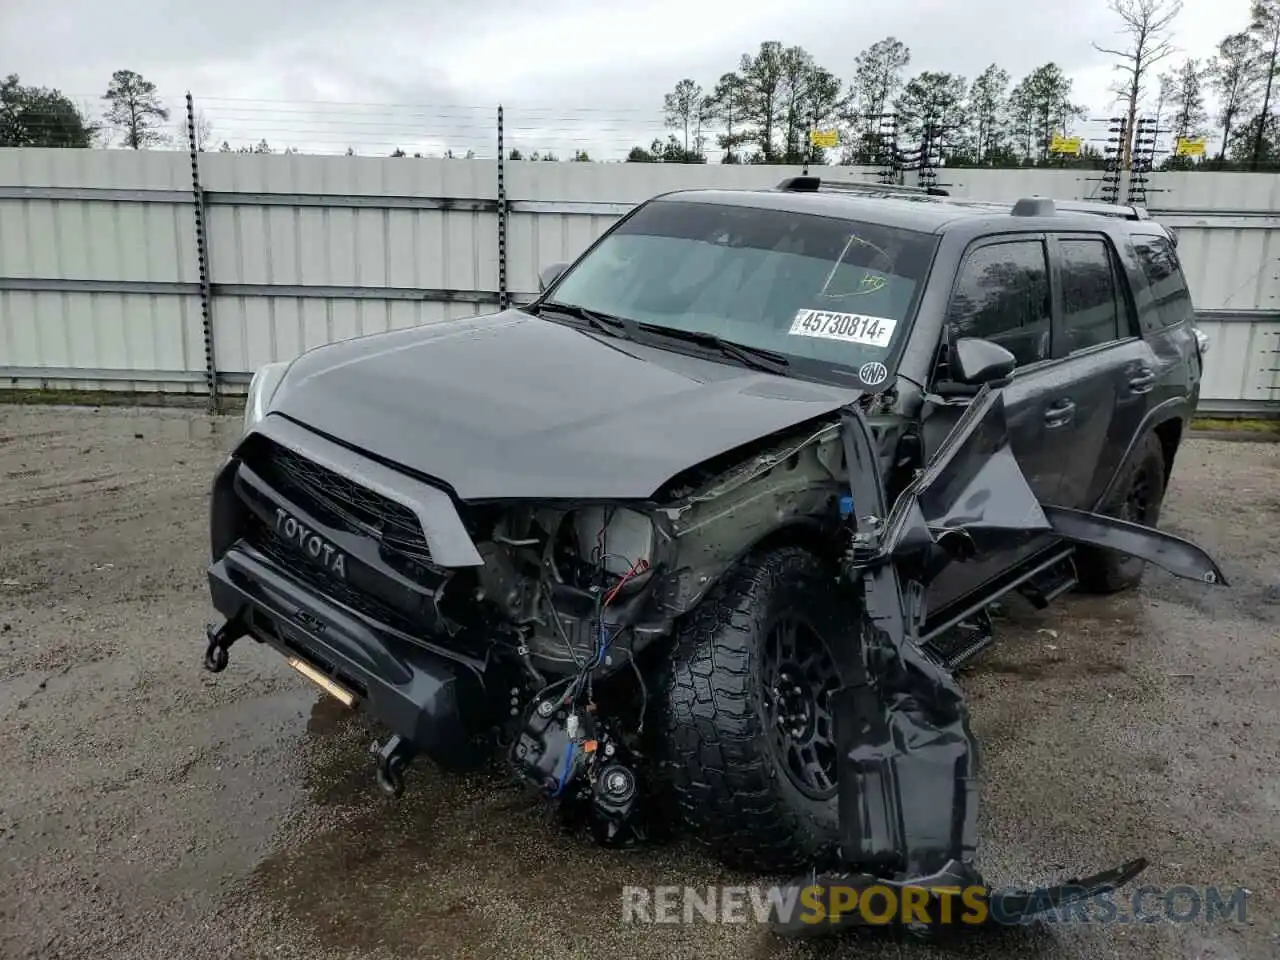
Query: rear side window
[
  {"x": 1091, "y": 304},
  {"x": 1002, "y": 295},
  {"x": 1164, "y": 275}
]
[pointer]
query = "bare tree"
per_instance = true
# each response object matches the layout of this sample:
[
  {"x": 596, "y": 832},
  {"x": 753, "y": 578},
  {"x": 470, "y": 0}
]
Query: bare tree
[
  {"x": 204, "y": 130},
  {"x": 1146, "y": 25}
]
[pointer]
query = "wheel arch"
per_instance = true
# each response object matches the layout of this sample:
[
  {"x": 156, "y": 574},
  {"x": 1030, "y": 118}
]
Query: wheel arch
[
  {"x": 1169, "y": 432},
  {"x": 1166, "y": 422},
  {"x": 806, "y": 532}
]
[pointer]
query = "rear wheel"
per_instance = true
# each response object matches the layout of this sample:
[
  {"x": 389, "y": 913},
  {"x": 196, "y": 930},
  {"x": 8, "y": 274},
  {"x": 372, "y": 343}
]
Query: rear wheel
[
  {"x": 747, "y": 724},
  {"x": 1138, "y": 495}
]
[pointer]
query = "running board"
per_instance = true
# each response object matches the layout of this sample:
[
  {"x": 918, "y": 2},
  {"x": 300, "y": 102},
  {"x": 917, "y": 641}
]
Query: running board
[
  {"x": 1049, "y": 584},
  {"x": 963, "y": 641},
  {"x": 990, "y": 595}
]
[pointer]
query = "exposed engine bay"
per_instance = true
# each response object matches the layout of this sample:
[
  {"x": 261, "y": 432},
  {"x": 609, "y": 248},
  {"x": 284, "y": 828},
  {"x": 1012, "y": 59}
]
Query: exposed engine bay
[{"x": 585, "y": 589}]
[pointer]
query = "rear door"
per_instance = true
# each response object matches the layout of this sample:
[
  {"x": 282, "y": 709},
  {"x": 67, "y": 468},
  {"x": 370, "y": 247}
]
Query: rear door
[{"x": 1107, "y": 375}]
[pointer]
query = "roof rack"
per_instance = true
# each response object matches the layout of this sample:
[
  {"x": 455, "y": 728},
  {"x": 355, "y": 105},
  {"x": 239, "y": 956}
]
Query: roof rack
[
  {"x": 1025, "y": 207},
  {"x": 810, "y": 184}
]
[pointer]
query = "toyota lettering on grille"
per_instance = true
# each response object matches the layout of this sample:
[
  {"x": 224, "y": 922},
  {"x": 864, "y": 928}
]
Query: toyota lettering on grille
[{"x": 297, "y": 534}]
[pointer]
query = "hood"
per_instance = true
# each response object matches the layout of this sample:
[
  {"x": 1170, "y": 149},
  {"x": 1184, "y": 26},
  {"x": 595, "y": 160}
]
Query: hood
[{"x": 514, "y": 406}]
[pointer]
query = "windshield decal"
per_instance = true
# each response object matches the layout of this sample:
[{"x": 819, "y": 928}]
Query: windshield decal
[
  {"x": 846, "y": 327},
  {"x": 873, "y": 374}
]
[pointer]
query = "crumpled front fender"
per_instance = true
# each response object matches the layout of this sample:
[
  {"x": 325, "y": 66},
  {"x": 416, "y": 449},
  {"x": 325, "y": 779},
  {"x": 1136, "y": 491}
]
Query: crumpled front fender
[{"x": 908, "y": 759}]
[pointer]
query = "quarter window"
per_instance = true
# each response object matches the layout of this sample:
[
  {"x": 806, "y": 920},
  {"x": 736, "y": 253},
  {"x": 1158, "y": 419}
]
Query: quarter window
[
  {"x": 1164, "y": 275},
  {"x": 1091, "y": 307},
  {"x": 1002, "y": 295}
]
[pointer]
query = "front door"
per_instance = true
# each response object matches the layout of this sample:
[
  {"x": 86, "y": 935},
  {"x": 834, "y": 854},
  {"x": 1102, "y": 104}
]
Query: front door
[{"x": 1002, "y": 294}]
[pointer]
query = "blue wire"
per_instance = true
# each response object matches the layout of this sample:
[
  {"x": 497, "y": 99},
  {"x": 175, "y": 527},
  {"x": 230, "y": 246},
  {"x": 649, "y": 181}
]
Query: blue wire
[{"x": 564, "y": 772}]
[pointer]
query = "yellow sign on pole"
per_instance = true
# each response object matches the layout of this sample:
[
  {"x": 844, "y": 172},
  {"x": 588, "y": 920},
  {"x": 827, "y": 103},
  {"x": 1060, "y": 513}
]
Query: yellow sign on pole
[
  {"x": 824, "y": 138},
  {"x": 1061, "y": 144},
  {"x": 1189, "y": 147}
]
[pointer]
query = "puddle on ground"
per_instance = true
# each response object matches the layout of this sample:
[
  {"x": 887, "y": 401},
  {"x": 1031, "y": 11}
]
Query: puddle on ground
[
  {"x": 161, "y": 425},
  {"x": 465, "y": 861},
  {"x": 469, "y": 865}
]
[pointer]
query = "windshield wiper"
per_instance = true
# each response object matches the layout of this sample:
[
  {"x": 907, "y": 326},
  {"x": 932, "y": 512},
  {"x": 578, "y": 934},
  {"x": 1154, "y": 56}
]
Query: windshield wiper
[
  {"x": 755, "y": 357},
  {"x": 614, "y": 326}
]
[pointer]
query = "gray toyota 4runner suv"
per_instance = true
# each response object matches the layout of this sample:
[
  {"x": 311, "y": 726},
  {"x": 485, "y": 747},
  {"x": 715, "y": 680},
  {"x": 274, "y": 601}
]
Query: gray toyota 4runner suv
[{"x": 699, "y": 536}]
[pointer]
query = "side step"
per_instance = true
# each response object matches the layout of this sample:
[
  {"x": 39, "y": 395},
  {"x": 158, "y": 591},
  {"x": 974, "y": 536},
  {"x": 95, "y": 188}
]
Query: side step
[
  {"x": 1050, "y": 583},
  {"x": 962, "y": 642}
]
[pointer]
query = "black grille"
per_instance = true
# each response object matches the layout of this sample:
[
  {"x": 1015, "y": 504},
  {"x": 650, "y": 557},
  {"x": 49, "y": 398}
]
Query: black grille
[
  {"x": 339, "y": 502},
  {"x": 334, "y": 588}
]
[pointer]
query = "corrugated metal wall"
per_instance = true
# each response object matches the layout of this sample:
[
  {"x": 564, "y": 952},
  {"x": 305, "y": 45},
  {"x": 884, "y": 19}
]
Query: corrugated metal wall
[
  {"x": 307, "y": 250},
  {"x": 94, "y": 285},
  {"x": 100, "y": 283}
]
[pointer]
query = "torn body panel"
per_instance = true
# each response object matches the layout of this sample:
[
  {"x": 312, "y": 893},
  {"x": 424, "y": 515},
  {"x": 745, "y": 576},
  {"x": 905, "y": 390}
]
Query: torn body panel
[{"x": 908, "y": 768}]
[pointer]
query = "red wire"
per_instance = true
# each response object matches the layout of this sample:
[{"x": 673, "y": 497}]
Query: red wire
[{"x": 640, "y": 566}]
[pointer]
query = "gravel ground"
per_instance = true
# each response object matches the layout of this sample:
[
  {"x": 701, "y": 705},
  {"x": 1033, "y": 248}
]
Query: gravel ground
[{"x": 149, "y": 809}]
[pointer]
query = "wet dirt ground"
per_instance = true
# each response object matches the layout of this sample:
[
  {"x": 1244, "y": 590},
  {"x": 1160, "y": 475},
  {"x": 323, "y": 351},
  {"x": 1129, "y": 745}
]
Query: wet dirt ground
[{"x": 149, "y": 809}]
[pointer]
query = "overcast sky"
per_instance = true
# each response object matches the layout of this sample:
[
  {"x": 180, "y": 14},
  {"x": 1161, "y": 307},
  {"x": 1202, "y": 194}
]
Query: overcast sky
[{"x": 568, "y": 71}]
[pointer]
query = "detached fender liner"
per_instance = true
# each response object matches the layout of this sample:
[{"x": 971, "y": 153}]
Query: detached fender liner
[{"x": 417, "y": 693}]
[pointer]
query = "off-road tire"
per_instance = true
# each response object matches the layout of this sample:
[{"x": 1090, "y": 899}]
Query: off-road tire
[
  {"x": 1137, "y": 496},
  {"x": 731, "y": 791}
]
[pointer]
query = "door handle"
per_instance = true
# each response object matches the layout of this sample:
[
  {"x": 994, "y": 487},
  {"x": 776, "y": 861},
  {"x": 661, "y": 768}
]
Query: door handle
[
  {"x": 1060, "y": 414},
  {"x": 1143, "y": 380}
]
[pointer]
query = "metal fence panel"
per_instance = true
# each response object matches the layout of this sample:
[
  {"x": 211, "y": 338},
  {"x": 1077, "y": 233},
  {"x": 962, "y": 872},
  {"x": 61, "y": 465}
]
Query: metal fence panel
[
  {"x": 409, "y": 236},
  {"x": 96, "y": 275},
  {"x": 1242, "y": 373},
  {"x": 263, "y": 329},
  {"x": 99, "y": 280}
]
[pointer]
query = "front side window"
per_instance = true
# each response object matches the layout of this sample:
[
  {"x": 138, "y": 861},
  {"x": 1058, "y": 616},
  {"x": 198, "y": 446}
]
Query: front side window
[
  {"x": 1091, "y": 305},
  {"x": 1002, "y": 295},
  {"x": 823, "y": 289}
]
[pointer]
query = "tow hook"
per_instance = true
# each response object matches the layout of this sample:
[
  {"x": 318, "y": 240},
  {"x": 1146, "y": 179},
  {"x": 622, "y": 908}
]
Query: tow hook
[
  {"x": 220, "y": 640},
  {"x": 392, "y": 759}
]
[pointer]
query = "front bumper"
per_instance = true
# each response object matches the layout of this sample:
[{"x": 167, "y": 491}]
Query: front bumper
[{"x": 429, "y": 698}]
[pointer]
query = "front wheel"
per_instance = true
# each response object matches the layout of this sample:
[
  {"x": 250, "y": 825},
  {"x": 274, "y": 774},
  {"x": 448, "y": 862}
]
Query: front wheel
[{"x": 747, "y": 724}]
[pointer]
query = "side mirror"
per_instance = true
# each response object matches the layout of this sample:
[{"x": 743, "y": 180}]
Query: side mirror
[
  {"x": 975, "y": 361},
  {"x": 549, "y": 274}
]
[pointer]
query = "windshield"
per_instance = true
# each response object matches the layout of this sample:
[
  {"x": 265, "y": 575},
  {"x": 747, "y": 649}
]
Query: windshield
[{"x": 809, "y": 287}]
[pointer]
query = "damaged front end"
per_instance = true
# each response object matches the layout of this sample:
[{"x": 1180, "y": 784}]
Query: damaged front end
[
  {"x": 908, "y": 760},
  {"x": 592, "y": 587},
  {"x": 521, "y": 626}
]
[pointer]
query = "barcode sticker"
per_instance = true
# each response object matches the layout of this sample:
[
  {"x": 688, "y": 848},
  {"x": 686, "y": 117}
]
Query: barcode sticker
[{"x": 847, "y": 327}]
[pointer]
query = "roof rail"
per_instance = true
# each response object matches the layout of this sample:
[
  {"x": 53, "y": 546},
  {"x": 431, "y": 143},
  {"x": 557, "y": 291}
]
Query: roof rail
[
  {"x": 1047, "y": 207},
  {"x": 1123, "y": 211},
  {"x": 811, "y": 184}
]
